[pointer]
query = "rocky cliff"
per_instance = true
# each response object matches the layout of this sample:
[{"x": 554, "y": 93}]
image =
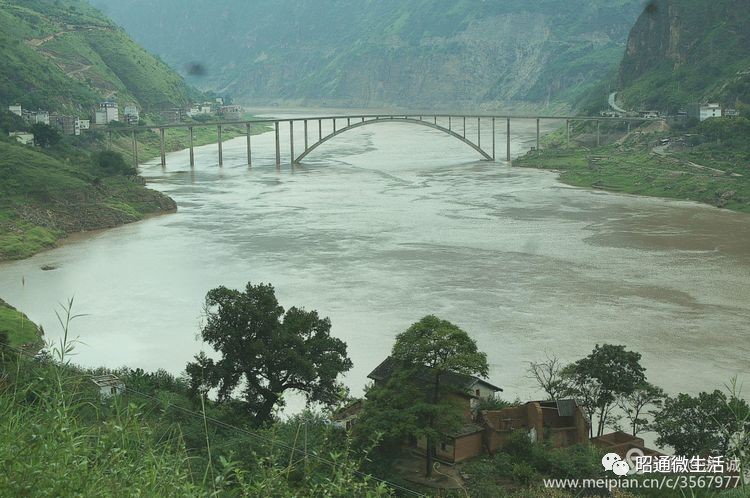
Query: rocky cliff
[
  {"x": 683, "y": 51},
  {"x": 412, "y": 53}
]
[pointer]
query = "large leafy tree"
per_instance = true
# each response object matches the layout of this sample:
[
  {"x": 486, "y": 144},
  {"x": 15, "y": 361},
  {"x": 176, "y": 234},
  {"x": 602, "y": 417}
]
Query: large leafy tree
[
  {"x": 416, "y": 401},
  {"x": 707, "y": 424},
  {"x": 599, "y": 379},
  {"x": 266, "y": 351}
]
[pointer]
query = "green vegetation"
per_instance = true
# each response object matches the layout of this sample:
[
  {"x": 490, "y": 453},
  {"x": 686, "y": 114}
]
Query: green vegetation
[
  {"x": 446, "y": 53},
  {"x": 704, "y": 424},
  {"x": 688, "y": 51},
  {"x": 48, "y": 193},
  {"x": 267, "y": 351},
  {"x": 415, "y": 404},
  {"x": 65, "y": 56},
  {"x": 708, "y": 163},
  {"x": 19, "y": 331},
  {"x": 60, "y": 437}
]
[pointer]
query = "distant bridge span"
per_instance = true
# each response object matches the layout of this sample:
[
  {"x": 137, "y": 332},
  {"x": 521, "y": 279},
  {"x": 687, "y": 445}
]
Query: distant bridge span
[{"x": 451, "y": 124}]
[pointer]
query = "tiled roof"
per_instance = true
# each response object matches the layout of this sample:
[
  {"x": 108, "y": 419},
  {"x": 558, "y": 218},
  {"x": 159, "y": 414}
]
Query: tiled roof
[{"x": 460, "y": 381}]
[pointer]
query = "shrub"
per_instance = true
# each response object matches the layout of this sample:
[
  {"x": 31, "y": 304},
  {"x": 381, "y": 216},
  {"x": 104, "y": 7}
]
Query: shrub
[
  {"x": 112, "y": 163},
  {"x": 523, "y": 473}
]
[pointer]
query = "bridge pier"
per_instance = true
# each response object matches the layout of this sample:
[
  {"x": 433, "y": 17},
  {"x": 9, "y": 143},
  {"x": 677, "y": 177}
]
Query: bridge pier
[
  {"x": 161, "y": 148},
  {"x": 493, "y": 139},
  {"x": 247, "y": 143},
  {"x": 464, "y": 127},
  {"x": 320, "y": 130},
  {"x": 291, "y": 141},
  {"x": 192, "y": 153},
  {"x": 135, "y": 151},
  {"x": 221, "y": 151},
  {"x": 479, "y": 132},
  {"x": 507, "y": 129},
  {"x": 537, "y": 134},
  {"x": 305, "y": 121},
  {"x": 278, "y": 152},
  {"x": 449, "y": 124},
  {"x": 348, "y": 121},
  {"x": 334, "y": 126}
]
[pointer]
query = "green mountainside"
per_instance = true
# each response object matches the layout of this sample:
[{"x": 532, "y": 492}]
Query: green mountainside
[
  {"x": 688, "y": 51},
  {"x": 431, "y": 53},
  {"x": 64, "y": 55}
]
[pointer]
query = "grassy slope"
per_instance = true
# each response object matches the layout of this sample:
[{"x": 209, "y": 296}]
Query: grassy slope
[
  {"x": 22, "y": 332},
  {"x": 65, "y": 56},
  {"x": 59, "y": 438},
  {"x": 43, "y": 198},
  {"x": 632, "y": 167}
]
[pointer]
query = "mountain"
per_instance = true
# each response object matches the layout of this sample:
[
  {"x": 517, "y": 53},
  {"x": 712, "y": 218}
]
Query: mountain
[
  {"x": 411, "y": 53},
  {"x": 686, "y": 51},
  {"x": 64, "y": 55}
]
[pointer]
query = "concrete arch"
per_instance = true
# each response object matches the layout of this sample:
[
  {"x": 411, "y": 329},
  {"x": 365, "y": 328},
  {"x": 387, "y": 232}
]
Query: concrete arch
[{"x": 394, "y": 119}]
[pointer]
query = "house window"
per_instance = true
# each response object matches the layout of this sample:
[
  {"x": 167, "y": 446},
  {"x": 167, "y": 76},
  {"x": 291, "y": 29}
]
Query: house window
[
  {"x": 113, "y": 390},
  {"x": 477, "y": 392}
]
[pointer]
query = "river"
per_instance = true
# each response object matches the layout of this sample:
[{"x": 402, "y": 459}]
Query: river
[{"x": 390, "y": 222}]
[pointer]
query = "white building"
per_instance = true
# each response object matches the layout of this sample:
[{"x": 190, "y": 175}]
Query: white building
[
  {"x": 704, "y": 111},
  {"x": 107, "y": 113},
  {"x": 231, "y": 112},
  {"x": 85, "y": 124},
  {"x": 109, "y": 385},
  {"x": 22, "y": 137},
  {"x": 16, "y": 109}
]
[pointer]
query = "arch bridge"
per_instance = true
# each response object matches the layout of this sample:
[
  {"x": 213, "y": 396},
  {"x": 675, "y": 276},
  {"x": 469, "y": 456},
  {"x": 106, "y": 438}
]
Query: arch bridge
[{"x": 454, "y": 125}]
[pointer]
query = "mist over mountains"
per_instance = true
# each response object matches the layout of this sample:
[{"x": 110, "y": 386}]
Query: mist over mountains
[{"x": 409, "y": 53}]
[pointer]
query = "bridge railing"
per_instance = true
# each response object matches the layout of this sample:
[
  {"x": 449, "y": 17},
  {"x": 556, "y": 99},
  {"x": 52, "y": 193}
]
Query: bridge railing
[{"x": 443, "y": 122}]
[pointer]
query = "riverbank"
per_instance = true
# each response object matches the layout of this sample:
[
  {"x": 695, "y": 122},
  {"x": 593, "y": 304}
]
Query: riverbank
[
  {"x": 46, "y": 197},
  {"x": 49, "y": 194},
  {"x": 638, "y": 163}
]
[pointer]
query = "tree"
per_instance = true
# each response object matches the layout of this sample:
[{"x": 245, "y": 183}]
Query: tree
[
  {"x": 634, "y": 405},
  {"x": 702, "y": 425},
  {"x": 266, "y": 351},
  {"x": 600, "y": 378},
  {"x": 549, "y": 376},
  {"x": 112, "y": 163},
  {"x": 415, "y": 401},
  {"x": 45, "y": 135}
]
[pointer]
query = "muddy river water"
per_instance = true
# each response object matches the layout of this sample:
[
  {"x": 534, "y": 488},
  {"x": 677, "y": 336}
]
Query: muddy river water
[{"x": 390, "y": 222}]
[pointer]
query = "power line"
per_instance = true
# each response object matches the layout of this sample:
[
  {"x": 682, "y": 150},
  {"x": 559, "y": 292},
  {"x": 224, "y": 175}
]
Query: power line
[{"x": 246, "y": 432}]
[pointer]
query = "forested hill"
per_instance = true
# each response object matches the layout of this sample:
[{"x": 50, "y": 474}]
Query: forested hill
[
  {"x": 449, "y": 53},
  {"x": 683, "y": 51},
  {"x": 63, "y": 55}
]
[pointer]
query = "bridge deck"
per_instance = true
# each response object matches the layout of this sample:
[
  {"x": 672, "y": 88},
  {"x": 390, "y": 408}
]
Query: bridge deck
[{"x": 436, "y": 121}]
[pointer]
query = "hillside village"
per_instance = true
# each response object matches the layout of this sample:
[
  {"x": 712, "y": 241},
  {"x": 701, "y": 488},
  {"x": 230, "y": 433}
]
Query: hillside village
[{"x": 109, "y": 112}]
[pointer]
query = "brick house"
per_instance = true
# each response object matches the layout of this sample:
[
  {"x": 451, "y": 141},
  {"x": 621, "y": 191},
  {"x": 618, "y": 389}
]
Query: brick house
[
  {"x": 467, "y": 442},
  {"x": 560, "y": 423}
]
